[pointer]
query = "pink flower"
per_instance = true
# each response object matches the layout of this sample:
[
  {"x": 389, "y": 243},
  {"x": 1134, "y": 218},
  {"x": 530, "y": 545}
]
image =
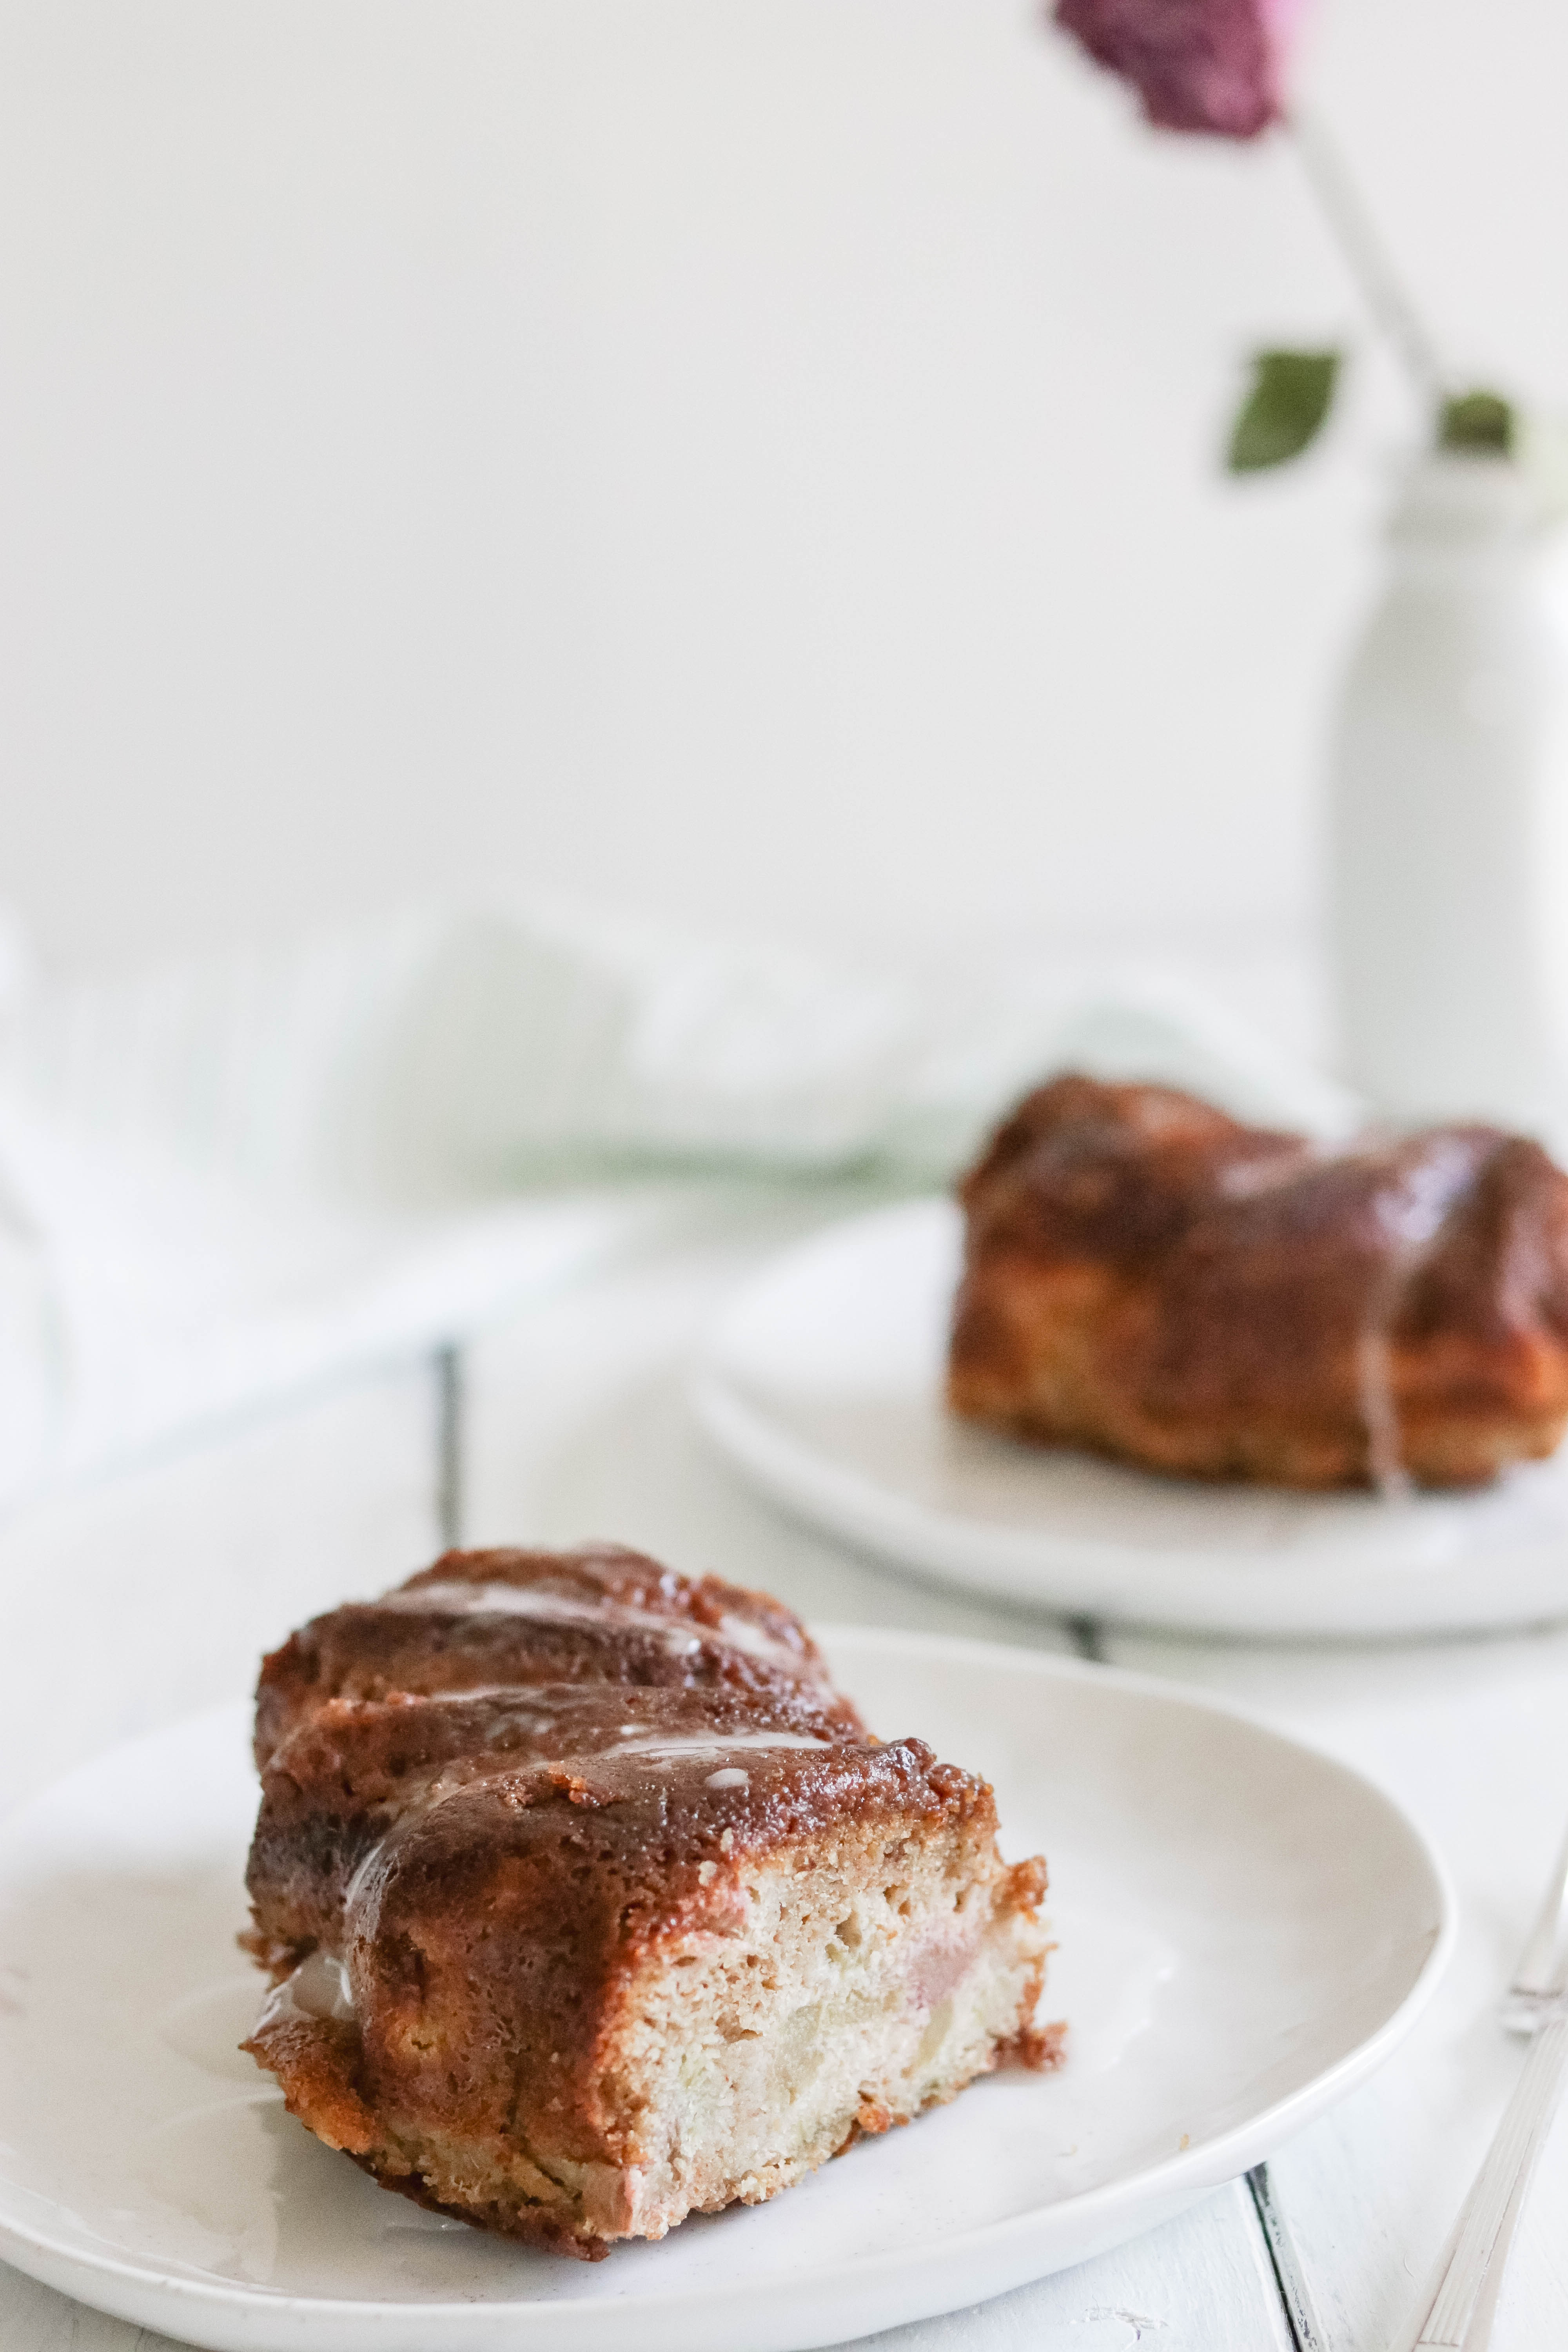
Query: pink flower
[{"x": 1197, "y": 65}]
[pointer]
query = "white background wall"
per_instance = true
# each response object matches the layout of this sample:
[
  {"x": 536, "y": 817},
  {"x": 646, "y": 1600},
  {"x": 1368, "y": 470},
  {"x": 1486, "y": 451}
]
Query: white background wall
[{"x": 748, "y": 457}]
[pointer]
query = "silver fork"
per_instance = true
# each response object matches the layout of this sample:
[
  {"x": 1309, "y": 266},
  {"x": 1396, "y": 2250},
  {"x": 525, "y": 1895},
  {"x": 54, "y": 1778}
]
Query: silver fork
[{"x": 1457, "y": 2311}]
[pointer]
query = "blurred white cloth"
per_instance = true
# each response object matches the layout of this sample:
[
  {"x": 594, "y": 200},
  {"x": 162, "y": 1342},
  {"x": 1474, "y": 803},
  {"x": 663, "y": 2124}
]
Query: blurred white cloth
[{"x": 225, "y": 1182}]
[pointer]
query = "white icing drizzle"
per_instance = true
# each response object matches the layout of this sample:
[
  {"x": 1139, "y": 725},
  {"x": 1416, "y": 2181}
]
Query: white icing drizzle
[
  {"x": 632, "y": 1742},
  {"x": 1379, "y": 1412},
  {"x": 651, "y": 1747},
  {"x": 319, "y": 1988},
  {"x": 526, "y": 1695},
  {"x": 549, "y": 1608},
  {"x": 1271, "y": 1172},
  {"x": 1412, "y": 1210},
  {"x": 742, "y": 1635},
  {"x": 417, "y": 1809},
  {"x": 534, "y": 1706},
  {"x": 543, "y": 1608}
]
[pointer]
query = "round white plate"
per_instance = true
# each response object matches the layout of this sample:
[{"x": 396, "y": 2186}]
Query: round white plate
[
  {"x": 1247, "y": 1929},
  {"x": 823, "y": 1383}
]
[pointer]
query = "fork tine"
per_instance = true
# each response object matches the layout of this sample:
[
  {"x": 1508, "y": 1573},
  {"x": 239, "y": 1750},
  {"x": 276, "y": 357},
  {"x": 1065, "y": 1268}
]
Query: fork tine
[{"x": 1542, "y": 1966}]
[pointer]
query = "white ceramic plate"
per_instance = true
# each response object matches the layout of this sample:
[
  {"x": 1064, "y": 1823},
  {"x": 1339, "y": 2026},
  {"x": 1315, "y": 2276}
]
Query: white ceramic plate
[
  {"x": 1247, "y": 1929},
  {"x": 822, "y": 1382}
]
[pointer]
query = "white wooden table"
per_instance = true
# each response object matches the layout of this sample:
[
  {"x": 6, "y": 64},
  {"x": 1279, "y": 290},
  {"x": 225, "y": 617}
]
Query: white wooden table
[{"x": 150, "y": 1597}]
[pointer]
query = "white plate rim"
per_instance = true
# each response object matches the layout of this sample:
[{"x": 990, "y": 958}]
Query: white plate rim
[{"x": 847, "y": 2290}]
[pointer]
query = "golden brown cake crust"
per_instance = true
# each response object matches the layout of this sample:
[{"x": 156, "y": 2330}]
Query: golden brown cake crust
[
  {"x": 600, "y": 1613},
  {"x": 1149, "y": 1277},
  {"x": 359, "y": 1770},
  {"x": 574, "y": 1957}
]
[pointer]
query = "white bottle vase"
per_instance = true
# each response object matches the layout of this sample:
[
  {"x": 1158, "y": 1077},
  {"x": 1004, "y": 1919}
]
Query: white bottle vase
[{"x": 1449, "y": 821}]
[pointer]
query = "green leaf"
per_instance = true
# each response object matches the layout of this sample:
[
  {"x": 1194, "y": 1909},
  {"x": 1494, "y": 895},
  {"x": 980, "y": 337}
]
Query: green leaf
[
  {"x": 1477, "y": 420},
  {"x": 1283, "y": 413}
]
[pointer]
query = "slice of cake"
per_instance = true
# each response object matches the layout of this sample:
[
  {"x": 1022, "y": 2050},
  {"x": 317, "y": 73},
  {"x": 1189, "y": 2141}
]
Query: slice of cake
[
  {"x": 572, "y": 1955},
  {"x": 1147, "y": 1277}
]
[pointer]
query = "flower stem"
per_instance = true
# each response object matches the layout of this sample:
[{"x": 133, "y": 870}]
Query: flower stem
[{"x": 1367, "y": 257}]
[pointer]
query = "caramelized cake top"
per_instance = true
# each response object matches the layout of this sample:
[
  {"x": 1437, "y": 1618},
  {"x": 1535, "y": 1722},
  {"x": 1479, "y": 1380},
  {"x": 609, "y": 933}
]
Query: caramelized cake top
[
  {"x": 599, "y": 1615},
  {"x": 1266, "y": 1261}
]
